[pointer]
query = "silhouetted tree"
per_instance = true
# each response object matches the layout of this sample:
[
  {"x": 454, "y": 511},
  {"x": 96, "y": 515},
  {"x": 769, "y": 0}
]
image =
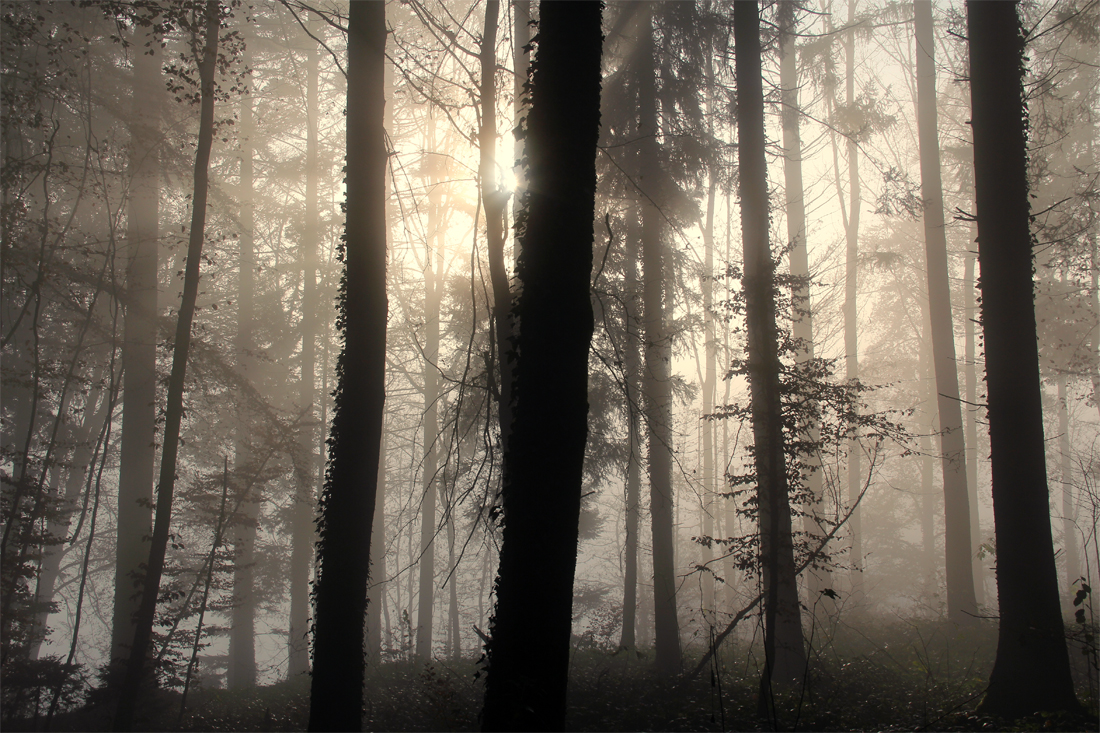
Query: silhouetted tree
[
  {"x": 785, "y": 658},
  {"x": 173, "y": 414},
  {"x": 961, "y": 605},
  {"x": 1031, "y": 671},
  {"x": 543, "y": 467},
  {"x": 355, "y": 440}
]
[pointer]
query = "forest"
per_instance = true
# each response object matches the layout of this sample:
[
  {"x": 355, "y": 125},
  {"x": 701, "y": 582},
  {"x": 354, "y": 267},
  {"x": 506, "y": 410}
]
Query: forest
[{"x": 481, "y": 365}]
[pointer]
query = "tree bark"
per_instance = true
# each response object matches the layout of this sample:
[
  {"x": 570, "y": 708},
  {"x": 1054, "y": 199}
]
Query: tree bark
[
  {"x": 656, "y": 384},
  {"x": 173, "y": 415},
  {"x": 1031, "y": 671},
  {"x": 971, "y": 376},
  {"x": 241, "y": 672},
  {"x": 631, "y": 366},
  {"x": 961, "y": 604},
  {"x": 139, "y": 348},
  {"x": 785, "y": 659},
  {"x": 302, "y": 528},
  {"x": 802, "y": 328},
  {"x": 526, "y": 687},
  {"x": 494, "y": 199},
  {"x": 851, "y": 313},
  {"x": 351, "y": 482}
]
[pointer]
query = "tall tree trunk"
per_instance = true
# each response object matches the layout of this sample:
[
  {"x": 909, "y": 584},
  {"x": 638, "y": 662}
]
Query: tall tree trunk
[
  {"x": 302, "y": 528},
  {"x": 433, "y": 281},
  {"x": 139, "y": 348},
  {"x": 710, "y": 370},
  {"x": 656, "y": 383},
  {"x": 926, "y": 468},
  {"x": 173, "y": 415},
  {"x": 631, "y": 366},
  {"x": 96, "y": 409},
  {"x": 802, "y": 328},
  {"x": 851, "y": 312},
  {"x": 433, "y": 284},
  {"x": 1069, "y": 503},
  {"x": 241, "y": 671},
  {"x": 494, "y": 198},
  {"x": 521, "y": 63},
  {"x": 971, "y": 375},
  {"x": 544, "y": 465},
  {"x": 961, "y": 605},
  {"x": 1031, "y": 635},
  {"x": 377, "y": 606},
  {"x": 355, "y": 440},
  {"x": 785, "y": 658},
  {"x": 454, "y": 630}
]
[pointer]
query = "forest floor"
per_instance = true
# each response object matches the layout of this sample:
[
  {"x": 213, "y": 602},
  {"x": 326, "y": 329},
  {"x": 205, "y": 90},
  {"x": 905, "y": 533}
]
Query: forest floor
[{"x": 897, "y": 676}]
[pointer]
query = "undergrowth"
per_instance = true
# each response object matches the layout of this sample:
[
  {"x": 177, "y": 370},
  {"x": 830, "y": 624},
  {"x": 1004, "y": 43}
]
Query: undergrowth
[{"x": 896, "y": 676}]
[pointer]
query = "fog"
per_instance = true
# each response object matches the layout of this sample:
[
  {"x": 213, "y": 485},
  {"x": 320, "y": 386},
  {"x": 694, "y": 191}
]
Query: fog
[{"x": 171, "y": 347}]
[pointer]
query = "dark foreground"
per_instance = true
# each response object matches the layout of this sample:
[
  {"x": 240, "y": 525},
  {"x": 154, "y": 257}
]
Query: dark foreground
[{"x": 915, "y": 675}]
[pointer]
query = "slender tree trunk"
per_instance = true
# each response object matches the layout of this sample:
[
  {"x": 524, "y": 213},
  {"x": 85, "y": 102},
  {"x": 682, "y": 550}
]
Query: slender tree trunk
[
  {"x": 802, "y": 328},
  {"x": 1031, "y": 635},
  {"x": 785, "y": 659},
  {"x": 1069, "y": 503},
  {"x": 656, "y": 384},
  {"x": 631, "y": 366},
  {"x": 454, "y": 630},
  {"x": 139, "y": 349},
  {"x": 242, "y": 632},
  {"x": 377, "y": 606},
  {"x": 971, "y": 376},
  {"x": 302, "y": 528},
  {"x": 351, "y": 482},
  {"x": 961, "y": 605},
  {"x": 433, "y": 284},
  {"x": 521, "y": 63},
  {"x": 494, "y": 198},
  {"x": 526, "y": 690},
  {"x": 95, "y": 413},
  {"x": 926, "y": 469},
  {"x": 173, "y": 416},
  {"x": 377, "y": 592}
]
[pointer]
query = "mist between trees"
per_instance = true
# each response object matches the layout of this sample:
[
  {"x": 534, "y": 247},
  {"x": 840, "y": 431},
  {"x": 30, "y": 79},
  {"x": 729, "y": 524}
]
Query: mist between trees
[{"x": 582, "y": 351}]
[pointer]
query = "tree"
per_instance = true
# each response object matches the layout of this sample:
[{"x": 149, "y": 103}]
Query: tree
[
  {"x": 355, "y": 438},
  {"x": 306, "y": 466},
  {"x": 961, "y": 604},
  {"x": 785, "y": 659},
  {"x": 242, "y": 632},
  {"x": 173, "y": 416},
  {"x": 656, "y": 379},
  {"x": 543, "y": 467},
  {"x": 1031, "y": 636},
  {"x": 139, "y": 348},
  {"x": 802, "y": 326}
]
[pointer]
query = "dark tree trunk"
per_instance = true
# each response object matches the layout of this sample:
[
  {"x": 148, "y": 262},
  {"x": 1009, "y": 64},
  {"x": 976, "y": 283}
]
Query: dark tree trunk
[
  {"x": 526, "y": 685},
  {"x": 851, "y": 314},
  {"x": 656, "y": 384},
  {"x": 802, "y": 326},
  {"x": 1031, "y": 671},
  {"x": 306, "y": 468},
  {"x": 970, "y": 373},
  {"x": 631, "y": 366},
  {"x": 355, "y": 440},
  {"x": 494, "y": 198},
  {"x": 961, "y": 605},
  {"x": 241, "y": 672},
  {"x": 173, "y": 414},
  {"x": 139, "y": 349},
  {"x": 785, "y": 659}
]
